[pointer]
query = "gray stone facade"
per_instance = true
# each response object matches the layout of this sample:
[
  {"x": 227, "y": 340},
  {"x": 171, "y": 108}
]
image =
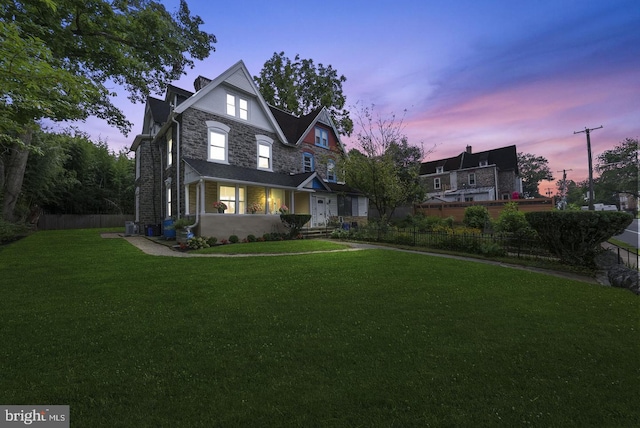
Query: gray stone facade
[{"x": 150, "y": 199}]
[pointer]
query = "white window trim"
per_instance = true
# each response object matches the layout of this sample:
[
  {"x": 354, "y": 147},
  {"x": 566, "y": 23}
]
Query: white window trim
[
  {"x": 439, "y": 169},
  {"x": 240, "y": 204},
  {"x": 263, "y": 140},
  {"x": 236, "y": 106},
  {"x": 220, "y": 128},
  {"x": 484, "y": 163},
  {"x": 437, "y": 183},
  {"x": 472, "y": 174},
  {"x": 321, "y": 132},
  {"x": 168, "y": 201}
]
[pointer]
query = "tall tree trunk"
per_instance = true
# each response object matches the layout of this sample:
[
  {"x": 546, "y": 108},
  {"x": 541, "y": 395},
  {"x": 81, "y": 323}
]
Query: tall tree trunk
[{"x": 14, "y": 169}]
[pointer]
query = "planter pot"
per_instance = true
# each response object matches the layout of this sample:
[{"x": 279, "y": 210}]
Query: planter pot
[{"x": 220, "y": 211}]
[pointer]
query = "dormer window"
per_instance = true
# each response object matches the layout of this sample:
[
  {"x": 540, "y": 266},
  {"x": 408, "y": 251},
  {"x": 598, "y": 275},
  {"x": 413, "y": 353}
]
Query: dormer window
[
  {"x": 237, "y": 107},
  {"x": 484, "y": 162},
  {"x": 439, "y": 169},
  {"x": 322, "y": 137}
]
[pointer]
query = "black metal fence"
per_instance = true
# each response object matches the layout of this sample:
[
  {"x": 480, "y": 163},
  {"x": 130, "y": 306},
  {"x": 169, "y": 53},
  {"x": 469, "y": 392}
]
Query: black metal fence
[
  {"x": 451, "y": 240},
  {"x": 626, "y": 257}
]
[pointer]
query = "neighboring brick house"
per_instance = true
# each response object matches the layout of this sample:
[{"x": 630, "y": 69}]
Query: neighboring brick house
[
  {"x": 224, "y": 143},
  {"x": 483, "y": 176}
]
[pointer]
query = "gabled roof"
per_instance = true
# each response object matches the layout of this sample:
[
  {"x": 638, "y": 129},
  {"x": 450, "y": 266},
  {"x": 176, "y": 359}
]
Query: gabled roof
[
  {"x": 248, "y": 84},
  {"x": 296, "y": 128},
  {"x": 293, "y": 127},
  {"x": 238, "y": 174},
  {"x": 505, "y": 159},
  {"x": 159, "y": 109}
]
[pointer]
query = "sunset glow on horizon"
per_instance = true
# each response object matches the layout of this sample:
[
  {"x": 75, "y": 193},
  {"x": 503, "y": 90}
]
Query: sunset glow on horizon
[{"x": 483, "y": 74}]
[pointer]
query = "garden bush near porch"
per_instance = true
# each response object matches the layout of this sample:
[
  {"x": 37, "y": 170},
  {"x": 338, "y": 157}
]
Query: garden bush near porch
[{"x": 369, "y": 338}]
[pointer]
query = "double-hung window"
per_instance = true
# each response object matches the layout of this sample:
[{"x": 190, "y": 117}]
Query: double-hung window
[
  {"x": 437, "y": 183},
  {"x": 169, "y": 150},
  {"x": 472, "y": 179},
  {"x": 331, "y": 171},
  {"x": 307, "y": 162},
  {"x": 265, "y": 154},
  {"x": 322, "y": 137},
  {"x": 237, "y": 107},
  {"x": 218, "y": 141}
]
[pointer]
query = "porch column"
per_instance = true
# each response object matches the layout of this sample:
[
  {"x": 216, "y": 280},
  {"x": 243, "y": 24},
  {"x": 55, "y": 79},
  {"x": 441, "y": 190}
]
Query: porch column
[
  {"x": 186, "y": 200},
  {"x": 201, "y": 189}
]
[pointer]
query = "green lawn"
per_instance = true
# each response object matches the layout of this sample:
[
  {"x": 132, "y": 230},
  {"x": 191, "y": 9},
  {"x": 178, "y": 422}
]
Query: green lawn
[{"x": 364, "y": 338}]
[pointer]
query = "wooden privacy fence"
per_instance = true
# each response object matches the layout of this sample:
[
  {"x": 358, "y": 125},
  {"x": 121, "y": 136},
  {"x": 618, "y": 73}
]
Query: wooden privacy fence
[
  {"x": 72, "y": 221},
  {"x": 456, "y": 209}
]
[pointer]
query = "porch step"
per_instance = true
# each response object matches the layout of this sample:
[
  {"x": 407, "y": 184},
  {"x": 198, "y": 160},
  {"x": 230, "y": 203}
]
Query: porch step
[{"x": 317, "y": 232}]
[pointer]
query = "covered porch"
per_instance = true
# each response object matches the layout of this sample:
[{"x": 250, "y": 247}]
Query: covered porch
[{"x": 251, "y": 207}]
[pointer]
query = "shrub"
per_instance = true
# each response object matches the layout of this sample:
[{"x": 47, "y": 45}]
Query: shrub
[
  {"x": 513, "y": 221},
  {"x": 294, "y": 222},
  {"x": 234, "y": 239},
  {"x": 197, "y": 243},
  {"x": 476, "y": 216},
  {"x": 251, "y": 238},
  {"x": 575, "y": 236},
  {"x": 10, "y": 232},
  {"x": 212, "y": 241}
]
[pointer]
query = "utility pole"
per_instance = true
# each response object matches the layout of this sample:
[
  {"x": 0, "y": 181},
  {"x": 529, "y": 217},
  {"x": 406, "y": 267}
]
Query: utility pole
[
  {"x": 563, "y": 189},
  {"x": 588, "y": 132}
]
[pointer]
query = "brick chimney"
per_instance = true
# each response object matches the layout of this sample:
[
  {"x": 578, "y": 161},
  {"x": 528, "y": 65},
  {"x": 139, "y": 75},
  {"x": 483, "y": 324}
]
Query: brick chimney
[
  {"x": 200, "y": 83},
  {"x": 469, "y": 149}
]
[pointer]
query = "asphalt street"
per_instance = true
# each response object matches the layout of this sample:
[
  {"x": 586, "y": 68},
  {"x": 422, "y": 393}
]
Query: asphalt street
[{"x": 630, "y": 235}]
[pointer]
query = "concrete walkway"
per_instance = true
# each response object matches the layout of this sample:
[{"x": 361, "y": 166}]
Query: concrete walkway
[{"x": 151, "y": 247}]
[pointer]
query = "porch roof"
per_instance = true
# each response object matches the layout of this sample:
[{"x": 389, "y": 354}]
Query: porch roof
[{"x": 236, "y": 174}]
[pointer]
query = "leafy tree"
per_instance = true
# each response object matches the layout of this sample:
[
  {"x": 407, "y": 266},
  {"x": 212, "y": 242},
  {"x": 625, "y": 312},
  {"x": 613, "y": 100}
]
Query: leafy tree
[
  {"x": 618, "y": 169},
  {"x": 80, "y": 48},
  {"x": 533, "y": 169},
  {"x": 300, "y": 87},
  {"x": 73, "y": 175},
  {"x": 386, "y": 169}
]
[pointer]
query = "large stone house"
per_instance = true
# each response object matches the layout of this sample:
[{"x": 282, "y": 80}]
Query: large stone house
[
  {"x": 225, "y": 144},
  {"x": 483, "y": 176}
]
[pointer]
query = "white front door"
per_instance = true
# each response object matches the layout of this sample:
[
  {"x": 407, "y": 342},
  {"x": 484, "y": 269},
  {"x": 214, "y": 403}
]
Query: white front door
[{"x": 320, "y": 212}]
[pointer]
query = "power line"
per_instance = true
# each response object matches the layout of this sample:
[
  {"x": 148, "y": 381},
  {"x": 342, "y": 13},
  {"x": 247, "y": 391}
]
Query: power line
[{"x": 588, "y": 132}]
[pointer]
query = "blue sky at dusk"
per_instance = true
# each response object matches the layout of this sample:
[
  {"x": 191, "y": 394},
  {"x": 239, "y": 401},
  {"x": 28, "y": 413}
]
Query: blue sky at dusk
[{"x": 486, "y": 74}]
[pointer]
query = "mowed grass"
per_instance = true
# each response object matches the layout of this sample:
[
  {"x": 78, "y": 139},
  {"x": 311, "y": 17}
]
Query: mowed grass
[{"x": 363, "y": 338}]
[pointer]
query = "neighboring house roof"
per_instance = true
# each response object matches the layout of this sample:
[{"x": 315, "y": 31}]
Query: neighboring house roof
[
  {"x": 253, "y": 176},
  {"x": 505, "y": 158}
]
